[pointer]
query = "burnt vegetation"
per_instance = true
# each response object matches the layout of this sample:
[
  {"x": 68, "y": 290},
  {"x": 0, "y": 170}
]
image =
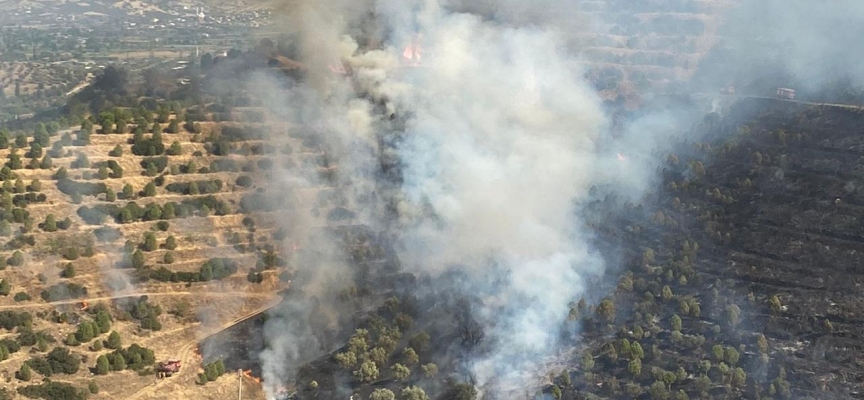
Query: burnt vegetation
[
  {"x": 741, "y": 276},
  {"x": 739, "y": 280}
]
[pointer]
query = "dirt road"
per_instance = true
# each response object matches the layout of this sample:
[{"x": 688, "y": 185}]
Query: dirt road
[
  {"x": 131, "y": 295},
  {"x": 189, "y": 357}
]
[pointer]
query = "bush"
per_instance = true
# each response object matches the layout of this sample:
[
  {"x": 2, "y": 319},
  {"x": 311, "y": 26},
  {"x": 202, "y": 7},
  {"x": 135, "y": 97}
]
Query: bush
[
  {"x": 86, "y": 331},
  {"x": 218, "y": 268},
  {"x": 52, "y": 390},
  {"x": 114, "y": 341},
  {"x": 224, "y": 165},
  {"x": 265, "y": 164},
  {"x": 147, "y": 314},
  {"x": 61, "y": 360},
  {"x": 244, "y": 181},
  {"x": 118, "y": 362},
  {"x": 212, "y": 371},
  {"x": 116, "y": 169},
  {"x": 10, "y": 345},
  {"x": 70, "y": 187},
  {"x": 103, "y": 366},
  {"x": 10, "y": 320},
  {"x": 96, "y": 215},
  {"x": 138, "y": 259},
  {"x": 148, "y": 147},
  {"x": 107, "y": 234},
  {"x": 149, "y": 190},
  {"x": 68, "y": 271},
  {"x": 175, "y": 150},
  {"x": 88, "y": 251},
  {"x": 195, "y": 187},
  {"x": 242, "y": 133},
  {"x": 254, "y": 277},
  {"x": 163, "y": 274},
  {"x": 253, "y": 202},
  {"x": 61, "y": 174},
  {"x": 81, "y": 162},
  {"x": 22, "y": 296},
  {"x": 16, "y": 260},
  {"x": 65, "y": 224},
  {"x": 50, "y": 224},
  {"x": 24, "y": 374},
  {"x": 170, "y": 243},
  {"x": 71, "y": 253},
  {"x": 153, "y": 212},
  {"x": 116, "y": 152},
  {"x": 23, "y": 200},
  {"x": 63, "y": 291},
  {"x": 150, "y": 243},
  {"x": 159, "y": 163},
  {"x": 188, "y": 206}
]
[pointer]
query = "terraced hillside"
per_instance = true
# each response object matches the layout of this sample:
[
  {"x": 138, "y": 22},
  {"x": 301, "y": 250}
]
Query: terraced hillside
[
  {"x": 740, "y": 280},
  {"x": 640, "y": 44},
  {"x": 164, "y": 222},
  {"x": 745, "y": 281}
]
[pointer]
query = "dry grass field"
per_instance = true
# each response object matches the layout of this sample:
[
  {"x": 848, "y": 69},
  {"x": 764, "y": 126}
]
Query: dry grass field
[{"x": 191, "y": 310}]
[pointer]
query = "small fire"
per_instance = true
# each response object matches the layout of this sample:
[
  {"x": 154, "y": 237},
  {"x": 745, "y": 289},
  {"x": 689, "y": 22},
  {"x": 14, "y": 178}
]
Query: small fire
[
  {"x": 412, "y": 53},
  {"x": 248, "y": 373},
  {"x": 84, "y": 306},
  {"x": 622, "y": 157},
  {"x": 337, "y": 69}
]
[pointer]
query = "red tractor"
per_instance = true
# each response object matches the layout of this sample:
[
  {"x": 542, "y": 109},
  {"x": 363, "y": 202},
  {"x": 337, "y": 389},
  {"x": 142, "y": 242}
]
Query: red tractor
[{"x": 168, "y": 368}]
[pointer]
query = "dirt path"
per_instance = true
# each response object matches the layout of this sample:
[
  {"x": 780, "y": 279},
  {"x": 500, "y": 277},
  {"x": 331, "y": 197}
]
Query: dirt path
[
  {"x": 79, "y": 87},
  {"x": 810, "y": 103},
  {"x": 187, "y": 353},
  {"x": 125, "y": 296}
]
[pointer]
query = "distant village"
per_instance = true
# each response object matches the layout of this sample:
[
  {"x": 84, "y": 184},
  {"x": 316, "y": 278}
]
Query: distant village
[{"x": 54, "y": 50}]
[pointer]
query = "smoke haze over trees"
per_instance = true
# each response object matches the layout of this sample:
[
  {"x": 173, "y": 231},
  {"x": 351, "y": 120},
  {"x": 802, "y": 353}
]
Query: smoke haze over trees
[{"x": 480, "y": 160}]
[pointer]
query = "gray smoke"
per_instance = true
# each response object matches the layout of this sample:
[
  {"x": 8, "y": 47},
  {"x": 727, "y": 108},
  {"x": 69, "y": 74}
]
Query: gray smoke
[
  {"x": 503, "y": 137},
  {"x": 326, "y": 111},
  {"x": 500, "y": 145},
  {"x": 802, "y": 44}
]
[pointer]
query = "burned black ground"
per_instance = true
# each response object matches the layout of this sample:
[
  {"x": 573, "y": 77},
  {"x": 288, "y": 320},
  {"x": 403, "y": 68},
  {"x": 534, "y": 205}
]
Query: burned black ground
[
  {"x": 760, "y": 224},
  {"x": 754, "y": 240}
]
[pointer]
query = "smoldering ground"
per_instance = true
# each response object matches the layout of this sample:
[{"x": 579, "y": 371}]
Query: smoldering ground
[
  {"x": 499, "y": 145},
  {"x": 500, "y": 142},
  {"x": 803, "y": 45}
]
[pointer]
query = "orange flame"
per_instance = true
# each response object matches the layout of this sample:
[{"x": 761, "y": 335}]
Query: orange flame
[
  {"x": 337, "y": 69},
  {"x": 412, "y": 53},
  {"x": 248, "y": 373},
  {"x": 84, "y": 306}
]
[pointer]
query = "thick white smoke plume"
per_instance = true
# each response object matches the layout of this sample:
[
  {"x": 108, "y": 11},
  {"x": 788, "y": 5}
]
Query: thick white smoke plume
[{"x": 499, "y": 146}]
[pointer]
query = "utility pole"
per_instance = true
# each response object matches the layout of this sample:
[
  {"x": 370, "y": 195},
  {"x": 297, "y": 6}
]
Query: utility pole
[{"x": 240, "y": 384}]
